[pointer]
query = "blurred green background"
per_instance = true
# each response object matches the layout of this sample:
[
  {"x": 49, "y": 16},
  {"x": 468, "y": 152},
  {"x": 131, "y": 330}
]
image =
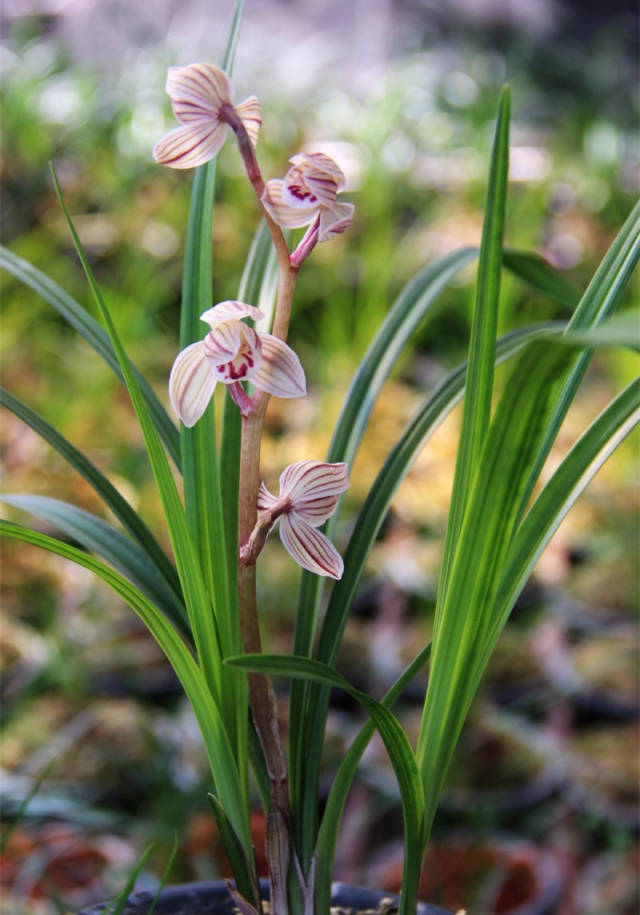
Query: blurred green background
[{"x": 403, "y": 95}]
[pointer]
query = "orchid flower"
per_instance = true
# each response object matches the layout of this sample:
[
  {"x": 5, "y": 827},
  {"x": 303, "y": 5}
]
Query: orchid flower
[
  {"x": 307, "y": 196},
  {"x": 232, "y": 352},
  {"x": 201, "y": 100},
  {"x": 309, "y": 493}
]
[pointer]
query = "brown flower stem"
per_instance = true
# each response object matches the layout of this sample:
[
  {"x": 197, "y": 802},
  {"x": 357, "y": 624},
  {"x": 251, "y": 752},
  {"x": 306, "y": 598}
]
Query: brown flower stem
[{"x": 262, "y": 698}]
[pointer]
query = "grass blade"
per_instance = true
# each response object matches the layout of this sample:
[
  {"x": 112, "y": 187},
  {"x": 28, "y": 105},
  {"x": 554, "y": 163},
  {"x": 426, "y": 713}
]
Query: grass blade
[
  {"x": 510, "y": 450},
  {"x": 598, "y": 302},
  {"x": 200, "y": 461},
  {"x": 558, "y": 495},
  {"x": 196, "y": 597},
  {"x": 113, "y": 500},
  {"x": 536, "y": 271},
  {"x": 221, "y": 759},
  {"x": 407, "y": 312},
  {"x": 101, "y": 538},
  {"x": 396, "y": 744},
  {"x": 79, "y": 318},
  {"x": 479, "y": 382},
  {"x": 327, "y": 836},
  {"x": 368, "y": 523}
]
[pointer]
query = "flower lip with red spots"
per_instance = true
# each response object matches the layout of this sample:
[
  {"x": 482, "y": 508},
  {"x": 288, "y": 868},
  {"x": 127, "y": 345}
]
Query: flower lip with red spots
[
  {"x": 232, "y": 352},
  {"x": 307, "y": 194}
]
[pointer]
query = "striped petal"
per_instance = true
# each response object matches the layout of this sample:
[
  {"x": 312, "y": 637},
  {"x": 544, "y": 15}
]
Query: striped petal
[
  {"x": 251, "y": 117},
  {"x": 314, "y": 488},
  {"x": 265, "y": 499},
  {"x": 230, "y": 310},
  {"x": 286, "y": 214},
  {"x": 198, "y": 91},
  {"x": 334, "y": 220},
  {"x": 280, "y": 371},
  {"x": 191, "y": 384},
  {"x": 190, "y": 145},
  {"x": 318, "y": 165},
  {"x": 310, "y": 549},
  {"x": 223, "y": 342},
  {"x": 313, "y": 178}
]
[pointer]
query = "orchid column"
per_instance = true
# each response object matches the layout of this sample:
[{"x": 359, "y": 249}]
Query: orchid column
[{"x": 233, "y": 352}]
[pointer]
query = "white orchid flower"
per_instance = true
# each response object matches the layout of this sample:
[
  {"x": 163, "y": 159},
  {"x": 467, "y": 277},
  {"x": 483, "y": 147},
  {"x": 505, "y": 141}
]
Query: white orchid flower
[
  {"x": 201, "y": 100},
  {"x": 309, "y": 494},
  {"x": 232, "y": 352},
  {"x": 306, "y": 196}
]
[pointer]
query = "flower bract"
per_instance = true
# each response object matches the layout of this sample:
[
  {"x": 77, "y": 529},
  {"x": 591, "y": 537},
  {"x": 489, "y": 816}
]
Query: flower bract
[
  {"x": 309, "y": 494},
  {"x": 307, "y": 195},
  {"x": 199, "y": 95},
  {"x": 232, "y": 352}
]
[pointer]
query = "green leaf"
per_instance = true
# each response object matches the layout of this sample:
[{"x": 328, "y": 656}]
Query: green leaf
[
  {"x": 368, "y": 523},
  {"x": 117, "y": 906},
  {"x": 482, "y": 345},
  {"x": 102, "y": 539},
  {"x": 95, "y": 336},
  {"x": 395, "y": 740},
  {"x": 130, "y": 520},
  {"x": 534, "y": 270},
  {"x": 195, "y": 594},
  {"x": 243, "y": 873},
  {"x": 407, "y": 312},
  {"x": 598, "y": 302},
  {"x": 203, "y": 488},
  {"x": 165, "y": 874},
  {"x": 223, "y": 766},
  {"x": 553, "y": 502},
  {"x": 490, "y": 520},
  {"x": 621, "y": 330},
  {"x": 327, "y": 836}
]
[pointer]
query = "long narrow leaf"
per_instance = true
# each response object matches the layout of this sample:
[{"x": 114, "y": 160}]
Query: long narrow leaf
[
  {"x": 534, "y": 270},
  {"x": 102, "y": 539},
  {"x": 553, "y": 502},
  {"x": 196, "y": 598},
  {"x": 223, "y": 767},
  {"x": 396, "y": 743},
  {"x": 598, "y": 302},
  {"x": 371, "y": 516},
  {"x": 200, "y": 461},
  {"x": 79, "y": 318},
  {"x": 510, "y": 450},
  {"x": 327, "y": 836},
  {"x": 407, "y": 312},
  {"x": 107, "y": 492},
  {"x": 479, "y": 382}
]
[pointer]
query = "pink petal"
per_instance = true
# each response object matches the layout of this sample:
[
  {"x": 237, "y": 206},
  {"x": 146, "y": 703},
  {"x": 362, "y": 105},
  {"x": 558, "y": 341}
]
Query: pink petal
[
  {"x": 251, "y": 117},
  {"x": 223, "y": 342},
  {"x": 191, "y": 384},
  {"x": 230, "y": 310},
  {"x": 280, "y": 371},
  {"x": 317, "y": 165},
  {"x": 292, "y": 217},
  {"x": 191, "y": 145},
  {"x": 335, "y": 219},
  {"x": 265, "y": 499},
  {"x": 310, "y": 549},
  {"x": 198, "y": 91},
  {"x": 314, "y": 488}
]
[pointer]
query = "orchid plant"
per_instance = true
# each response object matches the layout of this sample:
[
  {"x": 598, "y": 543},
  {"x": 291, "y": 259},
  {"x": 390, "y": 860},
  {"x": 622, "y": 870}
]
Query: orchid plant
[{"x": 203, "y": 611}]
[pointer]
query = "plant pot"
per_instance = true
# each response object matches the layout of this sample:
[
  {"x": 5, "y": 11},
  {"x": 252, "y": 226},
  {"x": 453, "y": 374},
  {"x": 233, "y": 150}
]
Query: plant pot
[{"x": 212, "y": 898}]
